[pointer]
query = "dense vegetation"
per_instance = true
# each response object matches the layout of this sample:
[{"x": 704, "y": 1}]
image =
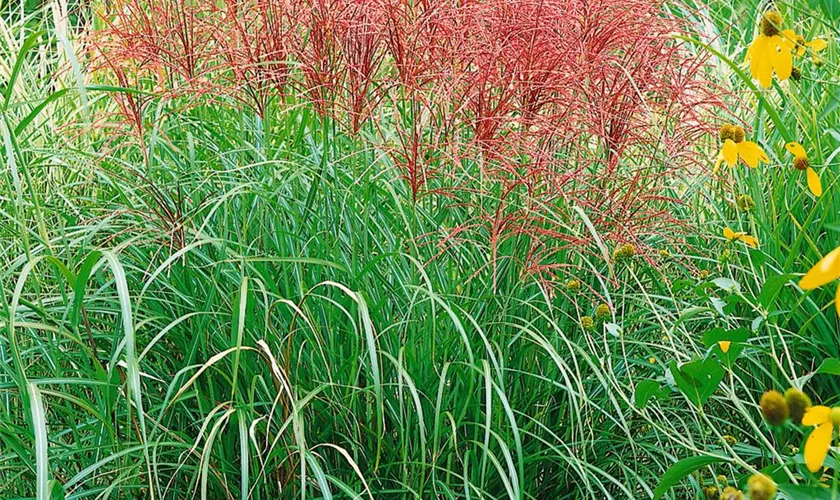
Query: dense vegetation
[{"x": 379, "y": 249}]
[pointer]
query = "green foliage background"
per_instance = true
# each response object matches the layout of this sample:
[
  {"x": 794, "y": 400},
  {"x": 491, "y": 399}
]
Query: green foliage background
[{"x": 260, "y": 309}]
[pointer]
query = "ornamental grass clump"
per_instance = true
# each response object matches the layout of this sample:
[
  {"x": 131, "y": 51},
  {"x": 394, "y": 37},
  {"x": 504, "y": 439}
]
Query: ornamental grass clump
[{"x": 558, "y": 104}]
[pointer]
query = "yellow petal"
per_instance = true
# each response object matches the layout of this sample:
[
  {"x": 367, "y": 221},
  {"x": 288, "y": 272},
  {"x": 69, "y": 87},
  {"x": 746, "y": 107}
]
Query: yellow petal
[
  {"x": 761, "y": 64},
  {"x": 729, "y": 234},
  {"x": 724, "y": 345},
  {"x": 730, "y": 152},
  {"x": 817, "y": 45},
  {"x": 752, "y": 153},
  {"x": 781, "y": 58},
  {"x": 751, "y": 241},
  {"x": 717, "y": 163},
  {"x": 788, "y": 38},
  {"x": 824, "y": 271},
  {"x": 816, "y": 415},
  {"x": 814, "y": 183},
  {"x": 796, "y": 149},
  {"x": 816, "y": 447}
]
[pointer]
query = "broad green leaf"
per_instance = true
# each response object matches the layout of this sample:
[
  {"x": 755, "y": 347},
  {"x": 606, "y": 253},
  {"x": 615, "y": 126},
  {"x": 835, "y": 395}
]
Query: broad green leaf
[
  {"x": 56, "y": 490},
  {"x": 736, "y": 338},
  {"x": 698, "y": 379},
  {"x": 771, "y": 289},
  {"x": 645, "y": 390},
  {"x": 802, "y": 492},
  {"x": 727, "y": 284},
  {"x": 613, "y": 329},
  {"x": 681, "y": 470},
  {"x": 829, "y": 366}
]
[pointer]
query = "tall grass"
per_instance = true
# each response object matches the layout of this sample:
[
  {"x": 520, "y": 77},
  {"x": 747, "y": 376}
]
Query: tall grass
[{"x": 251, "y": 301}]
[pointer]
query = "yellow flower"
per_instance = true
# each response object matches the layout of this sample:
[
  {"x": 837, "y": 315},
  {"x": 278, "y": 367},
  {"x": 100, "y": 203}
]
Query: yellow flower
[
  {"x": 724, "y": 345},
  {"x": 824, "y": 271},
  {"x": 771, "y": 51},
  {"x": 818, "y": 443},
  {"x": 734, "y": 146},
  {"x": 801, "y": 162},
  {"x": 731, "y": 235}
]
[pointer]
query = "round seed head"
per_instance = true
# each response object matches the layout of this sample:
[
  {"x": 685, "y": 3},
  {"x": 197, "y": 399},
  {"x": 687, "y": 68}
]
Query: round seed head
[
  {"x": 771, "y": 23},
  {"x": 834, "y": 416},
  {"x": 731, "y": 493},
  {"x": 726, "y": 132},
  {"x": 624, "y": 252},
  {"x": 774, "y": 408},
  {"x": 745, "y": 203},
  {"x": 738, "y": 134},
  {"x": 602, "y": 311},
  {"x": 798, "y": 403},
  {"x": 761, "y": 487},
  {"x": 801, "y": 163}
]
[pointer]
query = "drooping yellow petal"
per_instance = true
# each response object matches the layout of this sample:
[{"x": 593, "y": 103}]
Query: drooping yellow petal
[
  {"x": 817, "y": 45},
  {"x": 761, "y": 60},
  {"x": 816, "y": 447},
  {"x": 724, "y": 345},
  {"x": 814, "y": 183},
  {"x": 788, "y": 38},
  {"x": 752, "y": 153},
  {"x": 751, "y": 241},
  {"x": 718, "y": 161},
  {"x": 824, "y": 271},
  {"x": 781, "y": 57},
  {"x": 729, "y": 152},
  {"x": 816, "y": 415},
  {"x": 796, "y": 149},
  {"x": 729, "y": 234}
]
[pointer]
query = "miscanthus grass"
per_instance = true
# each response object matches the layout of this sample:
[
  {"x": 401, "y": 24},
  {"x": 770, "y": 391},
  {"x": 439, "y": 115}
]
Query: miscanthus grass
[{"x": 252, "y": 300}]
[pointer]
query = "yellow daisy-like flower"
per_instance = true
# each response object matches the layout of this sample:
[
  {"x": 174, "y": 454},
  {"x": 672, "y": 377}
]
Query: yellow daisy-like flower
[
  {"x": 750, "y": 241},
  {"x": 818, "y": 443},
  {"x": 734, "y": 147},
  {"x": 824, "y": 271},
  {"x": 801, "y": 162},
  {"x": 771, "y": 51}
]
